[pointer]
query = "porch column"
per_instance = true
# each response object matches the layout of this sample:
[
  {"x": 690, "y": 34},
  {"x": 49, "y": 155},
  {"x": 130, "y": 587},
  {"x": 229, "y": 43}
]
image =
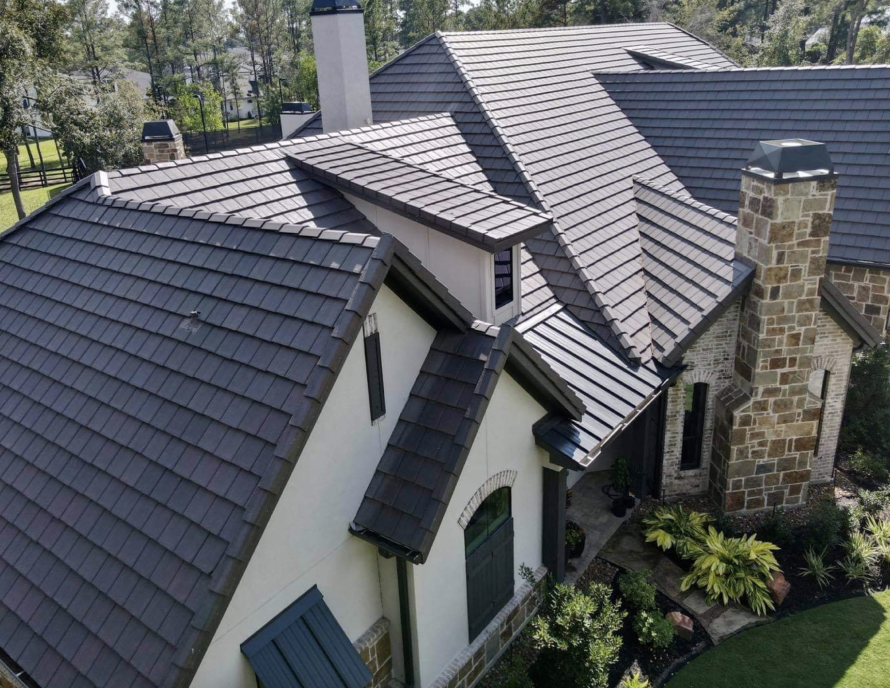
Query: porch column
[{"x": 554, "y": 531}]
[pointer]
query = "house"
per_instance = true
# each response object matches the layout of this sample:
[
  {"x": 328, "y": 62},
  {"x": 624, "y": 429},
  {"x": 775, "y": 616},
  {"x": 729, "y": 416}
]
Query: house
[{"x": 297, "y": 414}]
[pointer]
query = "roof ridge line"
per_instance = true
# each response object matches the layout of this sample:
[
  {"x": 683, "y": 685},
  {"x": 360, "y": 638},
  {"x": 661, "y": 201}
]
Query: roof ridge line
[
  {"x": 588, "y": 281},
  {"x": 701, "y": 40},
  {"x": 546, "y": 214},
  {"x": 741, "y": 69},
  {"x": 103, "y": 196},
  {"x": 687, "y": 199},
  {"x": 554, "y": 29}
]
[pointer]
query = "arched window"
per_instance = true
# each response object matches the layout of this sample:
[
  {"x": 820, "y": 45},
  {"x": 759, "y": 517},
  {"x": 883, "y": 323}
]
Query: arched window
[
  {"x": 488, "y": 542},
  {"x": 694, "y": 407}
]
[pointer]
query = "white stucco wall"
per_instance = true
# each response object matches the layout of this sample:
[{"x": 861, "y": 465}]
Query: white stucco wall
[
  {"x": 306, "y": 542},
  {"x": 467, "y": 271},
  {"x": 439, "y": 592}
]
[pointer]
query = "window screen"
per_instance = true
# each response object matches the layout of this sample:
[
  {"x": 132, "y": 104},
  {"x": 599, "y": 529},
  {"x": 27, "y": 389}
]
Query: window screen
[
  {"x": 695, "y": 405},
  {"x": 374, "y": 365}
]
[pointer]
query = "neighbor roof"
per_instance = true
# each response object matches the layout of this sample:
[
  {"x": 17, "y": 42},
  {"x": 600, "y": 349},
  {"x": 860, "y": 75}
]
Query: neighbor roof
[
  {"x": 160, "y": 370},
  {"x": 464, "y": 212},
  {"x": 405, "y": 503},
  {"x": 705, "y": 124}
]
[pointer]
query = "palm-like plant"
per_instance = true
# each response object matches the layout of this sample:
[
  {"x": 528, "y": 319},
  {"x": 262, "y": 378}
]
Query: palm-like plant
[
  {"x": 880, "y": 536},
  {"x": 733, "y": 569},
  {"x": 816, "y": 568},
  {"x": 674, "y": 526}
]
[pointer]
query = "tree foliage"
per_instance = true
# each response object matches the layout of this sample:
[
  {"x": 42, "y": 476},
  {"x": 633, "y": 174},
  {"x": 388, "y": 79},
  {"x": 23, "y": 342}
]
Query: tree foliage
[{"x": 866, "y": 423}]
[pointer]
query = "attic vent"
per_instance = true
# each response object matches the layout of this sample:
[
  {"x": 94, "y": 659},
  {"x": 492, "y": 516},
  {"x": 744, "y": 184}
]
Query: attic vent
[{"x": 192, "y": 323}]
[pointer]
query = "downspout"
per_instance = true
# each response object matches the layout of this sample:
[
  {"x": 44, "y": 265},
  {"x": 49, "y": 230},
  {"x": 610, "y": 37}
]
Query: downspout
[{"x": 405, "y": 618}]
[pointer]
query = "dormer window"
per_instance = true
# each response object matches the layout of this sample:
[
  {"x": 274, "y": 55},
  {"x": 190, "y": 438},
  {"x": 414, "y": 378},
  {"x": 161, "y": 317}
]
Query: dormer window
[{"x": 503, "y": 278}]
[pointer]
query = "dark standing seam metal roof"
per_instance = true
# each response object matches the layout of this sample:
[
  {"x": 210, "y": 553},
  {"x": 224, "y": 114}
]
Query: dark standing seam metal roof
[
  {"x": 406, "y": 501},
  {"x": 689, "y": 264},
  {"x": 705, "y": 125},
  {"x": 142, "y": 449},
  {"x": 464, "y": 212},
  {"x": 305, "y": 646},
  {"x": 612, "y": 391}
]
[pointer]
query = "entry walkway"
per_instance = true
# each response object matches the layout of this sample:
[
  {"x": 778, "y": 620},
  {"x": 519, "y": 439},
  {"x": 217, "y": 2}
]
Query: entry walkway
[
  {"x": 628, "y": 549},
  {"x": 592, "y": 510}
]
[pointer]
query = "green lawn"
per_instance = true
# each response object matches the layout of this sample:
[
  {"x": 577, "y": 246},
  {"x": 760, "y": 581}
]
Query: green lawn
[
  {"x": 47, "y": 149},
  {"x": 840, "y": 645},
  {"x": 32, "y": 198}
]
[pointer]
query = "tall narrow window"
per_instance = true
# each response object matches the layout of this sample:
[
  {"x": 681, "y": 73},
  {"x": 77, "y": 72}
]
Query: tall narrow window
[
  {"x": 503, "y": 278},
  {"x": 819, "y": 386},
  {"x": 374, "y": 366},
  {"x": 695, "y": 405}
]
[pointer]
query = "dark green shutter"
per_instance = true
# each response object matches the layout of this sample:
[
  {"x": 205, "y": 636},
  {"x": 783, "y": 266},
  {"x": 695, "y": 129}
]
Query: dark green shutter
[
  {"x": 375, "y": 375},
  {"x": 490, "y": 578}
]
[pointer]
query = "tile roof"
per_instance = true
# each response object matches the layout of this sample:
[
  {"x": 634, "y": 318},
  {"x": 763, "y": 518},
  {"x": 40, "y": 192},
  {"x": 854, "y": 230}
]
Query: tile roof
[
  {"x": 573, "y": 146},
  {"x": 470, "y": 214},
  {"x": 613, "y": 392},
  {"x": 160, "y": 370},
  {"x": 418, "y": 472},
  {"x": 689, "y": 265},
  {"x": 705, "y": 124}
]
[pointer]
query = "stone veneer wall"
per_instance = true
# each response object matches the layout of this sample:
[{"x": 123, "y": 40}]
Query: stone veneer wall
[
  {"x": 765, "y": 432},
  {"x": 833, "y": 353},
  {"x": 709, "y": 360},
  {"x": 375, "y": 648},
  {"x": 867, "y": 288},
  {"x": 470, "y": 665},
  {"x": 163, "y": 151}
]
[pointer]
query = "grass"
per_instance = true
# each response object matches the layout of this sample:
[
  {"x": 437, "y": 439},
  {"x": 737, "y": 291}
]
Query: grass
[
  {"x": 32, "y": 198},
  {"x": 840, "y": 645},
  {"x": 47, "y": 148}
]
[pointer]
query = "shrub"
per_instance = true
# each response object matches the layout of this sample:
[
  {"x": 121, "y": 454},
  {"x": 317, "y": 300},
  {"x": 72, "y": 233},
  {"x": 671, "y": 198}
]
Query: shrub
[
  {"x": 868, "y": 466},
  {"x": 879, "y": 532},
  {"x": 776, "y": 528},
  {"x": 637, "y": 590},
  {"x": 653, "y": 629},
  {"x": 674, "y": 526},
  {"x": 866, "y": 421},
  {"x": 861, "y": 556},
  {"x": 637, "y": 681},
  {"x": 620, "y": 475},
  {"x": 515, "y": 674},
  {"x": 827, "y": 526},
  {"x": 577, "y": 637},
  {"x": 817, "y": 569},
  {"x": 733, "y": 569}
]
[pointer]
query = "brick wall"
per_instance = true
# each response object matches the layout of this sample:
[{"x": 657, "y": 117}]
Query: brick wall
[
  {"x": 709, "y": 360},
  {"x": 375, "y": 648},
  {"x": 470, "y": 665},
  {"x": 833, "y": 353},
  {"x": 867, "y": 288},
  {"x": 766, "y": 430}
]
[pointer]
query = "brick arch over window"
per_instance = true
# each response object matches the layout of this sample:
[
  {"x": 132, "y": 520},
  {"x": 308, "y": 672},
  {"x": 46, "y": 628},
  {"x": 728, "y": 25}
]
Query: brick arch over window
[
  {"x": 495, "y": 482},
  {"x": 823, "y": 363},
  {"x": 696, "y": 375}
]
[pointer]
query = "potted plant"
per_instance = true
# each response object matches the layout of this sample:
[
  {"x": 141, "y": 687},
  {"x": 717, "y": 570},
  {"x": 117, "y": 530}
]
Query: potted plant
[
  {"x": 576, "y": 539},
  {"x": 622, "y": 499}
]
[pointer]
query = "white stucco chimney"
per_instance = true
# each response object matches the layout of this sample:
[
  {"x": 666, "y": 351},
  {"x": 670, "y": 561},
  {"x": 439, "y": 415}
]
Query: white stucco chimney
[{"x": 338, "y": 32}]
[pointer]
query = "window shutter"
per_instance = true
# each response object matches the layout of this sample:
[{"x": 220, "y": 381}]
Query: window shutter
[{"x": 375, "y": 369}]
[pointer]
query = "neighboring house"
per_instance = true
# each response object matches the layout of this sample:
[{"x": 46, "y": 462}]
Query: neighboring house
[{"x": 297, "y": 414}]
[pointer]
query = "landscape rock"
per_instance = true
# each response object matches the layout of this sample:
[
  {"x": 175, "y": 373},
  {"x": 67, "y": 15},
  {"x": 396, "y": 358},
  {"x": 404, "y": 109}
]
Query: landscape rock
[
  {"x": 778, "y": 588},
  {"x": 682, "y": 624}
]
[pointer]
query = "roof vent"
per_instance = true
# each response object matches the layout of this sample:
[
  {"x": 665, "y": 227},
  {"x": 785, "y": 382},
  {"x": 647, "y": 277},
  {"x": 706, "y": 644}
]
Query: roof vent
[
  {"x": 790, "y": 160},
  {"x": 326, "y": 6},
  {"x": 165, "y": 130},
  {"x": 192, "y": 323}
]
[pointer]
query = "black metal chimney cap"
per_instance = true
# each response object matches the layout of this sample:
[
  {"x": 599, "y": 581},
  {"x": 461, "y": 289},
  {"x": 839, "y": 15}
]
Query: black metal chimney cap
[
  {"x": 165, "y": 130},
  {"x": 790, "y": 160},
  {"x": 298, "y": 108},
  {"x": 331, "y": 6}
]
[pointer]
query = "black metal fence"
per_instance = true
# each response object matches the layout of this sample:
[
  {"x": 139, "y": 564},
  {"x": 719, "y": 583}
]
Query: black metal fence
[{"x": 200, "y": 142}]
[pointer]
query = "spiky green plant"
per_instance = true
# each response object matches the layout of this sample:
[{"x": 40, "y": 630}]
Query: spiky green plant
[
  {"x": 674, "y": 526},
  {"x": 816, "y": 568},
  {"x": 879, "y": 532},
  {"x": 637, "y": 681},
  {"x": 733, "y": 569}
]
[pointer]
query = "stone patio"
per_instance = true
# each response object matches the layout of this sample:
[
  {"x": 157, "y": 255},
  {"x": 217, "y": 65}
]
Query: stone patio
[
  {"x": 592, "y": 510},
  {"x": 628, "y": 549}
]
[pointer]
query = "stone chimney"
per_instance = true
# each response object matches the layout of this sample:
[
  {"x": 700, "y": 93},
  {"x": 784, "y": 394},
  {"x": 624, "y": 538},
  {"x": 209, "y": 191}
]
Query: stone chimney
[
  {"x": 341, "y": 59},
  {"x": 161, "y": 142},
  {"x": 765, "y": 434}
]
